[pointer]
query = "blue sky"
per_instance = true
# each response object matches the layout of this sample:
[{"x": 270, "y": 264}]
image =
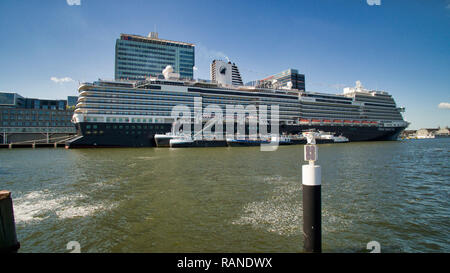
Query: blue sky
[{"x": 400, "y": 46}]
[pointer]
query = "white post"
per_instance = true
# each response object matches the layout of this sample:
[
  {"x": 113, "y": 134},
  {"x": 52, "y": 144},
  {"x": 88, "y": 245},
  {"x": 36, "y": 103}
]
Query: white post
[{"x": 312, "y": 203}]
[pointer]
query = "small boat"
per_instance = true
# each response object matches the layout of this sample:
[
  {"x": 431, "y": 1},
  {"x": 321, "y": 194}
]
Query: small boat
[
  {"x": 181, "y": 139},
  {"x": 298, "y": 140},
  {"x": 289, "y": 139},
  {"x": 323, "y": 138},
  {"x": 181, "y": 142},
  {"x": 188, "y": 141},
  {"x": 163, "y": 140},
  {"x": 246, "y": 142},
  {"x": 282, "y": 140},
  {"x": 340, "y": 139}
]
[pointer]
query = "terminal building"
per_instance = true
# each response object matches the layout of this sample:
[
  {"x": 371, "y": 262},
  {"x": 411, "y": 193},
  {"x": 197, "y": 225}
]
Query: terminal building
[
  {"x": 27, "y": 119},
  {"x": 138, "y": 57}
]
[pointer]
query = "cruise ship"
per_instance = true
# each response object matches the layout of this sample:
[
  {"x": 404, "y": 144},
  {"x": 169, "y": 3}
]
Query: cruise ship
[{"x": 124, "y": 113}]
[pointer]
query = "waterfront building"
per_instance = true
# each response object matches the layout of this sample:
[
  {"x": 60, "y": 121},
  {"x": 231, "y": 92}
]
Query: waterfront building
[
  {"x": 72, "y": 101},
  {"x": 225, "y": 73},
  {"x": 138, "y": 57},
  {"x": 26, "y": 119},
  {"x": 443, "y": 132},
  {"x": 11, "y": 99},
  {"x": 432, "y": 132},
  {"x": 426, "y": 132}
]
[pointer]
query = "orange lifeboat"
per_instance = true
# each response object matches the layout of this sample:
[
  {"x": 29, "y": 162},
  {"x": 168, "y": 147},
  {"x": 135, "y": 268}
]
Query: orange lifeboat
[{"x": 304, "y": 121}]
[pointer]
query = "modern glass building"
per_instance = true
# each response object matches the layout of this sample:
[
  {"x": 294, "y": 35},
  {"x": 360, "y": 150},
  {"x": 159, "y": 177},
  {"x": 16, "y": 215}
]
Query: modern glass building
[
  {"x": 138, "y": 57},
  {"x": 11, "y": 100},
  {"x": 72, "y": 101},
  {"x": 45, "y": 104},
  {"x": 14, "y": 100}
]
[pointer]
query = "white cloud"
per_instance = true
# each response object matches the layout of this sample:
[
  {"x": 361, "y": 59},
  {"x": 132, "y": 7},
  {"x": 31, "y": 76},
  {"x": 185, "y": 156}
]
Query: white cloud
[
  {"x": 61, "y": 80},
  {"x": 444, "y": 105},
  {"x": 73, "y": 2},
  {"x": 209, "y": 54},
  {"x": 373, "y": 2}
]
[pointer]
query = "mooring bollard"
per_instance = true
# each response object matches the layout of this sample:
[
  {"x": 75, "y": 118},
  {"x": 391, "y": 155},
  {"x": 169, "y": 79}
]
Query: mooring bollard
[
  {"x": 8, "y": 237},
  {"x": 312, "y": 203}
]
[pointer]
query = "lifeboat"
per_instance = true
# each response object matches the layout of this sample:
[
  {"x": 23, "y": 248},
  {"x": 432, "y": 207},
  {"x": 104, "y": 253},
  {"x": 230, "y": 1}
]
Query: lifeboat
[
  {"x": 365, "y": 122},
  {"x": 326, "y": 121},
  {"x": 304, "y": 121},
  {"x": 315, "y": 121},
  {"x": 337, "y": 121},
  {"x": 356, "y": 122},
  {"x": 374, "y": 123},
  {"x": 348, "y": 122}
]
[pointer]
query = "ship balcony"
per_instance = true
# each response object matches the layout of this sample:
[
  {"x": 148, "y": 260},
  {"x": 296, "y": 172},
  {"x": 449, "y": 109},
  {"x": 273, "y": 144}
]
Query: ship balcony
[
  {"x": 83, "y": 86},
  {"x": 81, "y": 98},
  {"x": 80, "y": 104}
]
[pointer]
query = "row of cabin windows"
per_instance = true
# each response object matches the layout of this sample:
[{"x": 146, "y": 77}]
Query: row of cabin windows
[
  {"x": 124, "y": 132},
  {"x": 41, "y": 124},
  {"x": 132, "y": 127},
  {"x": 124, "y": 129},
  {"x": 144, "y": 91}
]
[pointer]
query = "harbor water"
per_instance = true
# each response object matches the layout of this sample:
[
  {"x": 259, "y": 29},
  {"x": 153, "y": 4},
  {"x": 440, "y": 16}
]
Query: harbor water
[{"x": 229, "y": 199}]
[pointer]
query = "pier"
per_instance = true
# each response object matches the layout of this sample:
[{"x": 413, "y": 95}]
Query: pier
[
  {"x": 8, "y": 237},
  {"x": 47, "y": 142}
]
